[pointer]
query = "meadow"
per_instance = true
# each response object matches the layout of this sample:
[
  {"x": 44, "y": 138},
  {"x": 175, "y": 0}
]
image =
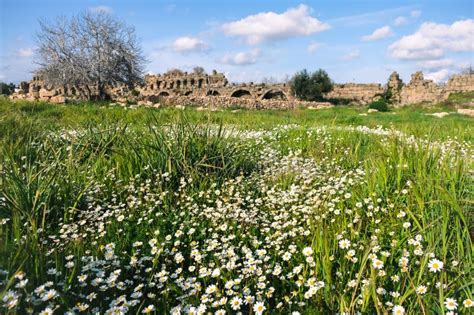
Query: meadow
[{"x": 115, "y": 210}]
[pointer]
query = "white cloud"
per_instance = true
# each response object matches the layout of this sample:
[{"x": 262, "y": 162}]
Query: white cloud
[
  {"x": 270, "y": 26},
  {"x": 351, "y": 55},
  {"x": 25, "y": 52},
  {"x": 101, "y": 9},
  {"x": 435, "y": 64},
  {"x": 379, "y": 33},
  {"x": 415, "y": 13},
  {"x": 189, "y": 44},
  {"x": 431, "y": 40},
  {"x": 242, "y": 58},
  {"x": 313, "y": 47},
  {"x": 400, "y": 20},
  {"x": 440, "y": 75}
]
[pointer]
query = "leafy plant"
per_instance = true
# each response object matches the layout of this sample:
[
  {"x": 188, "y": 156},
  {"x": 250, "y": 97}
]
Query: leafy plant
[{"x": 311, "y": 86}]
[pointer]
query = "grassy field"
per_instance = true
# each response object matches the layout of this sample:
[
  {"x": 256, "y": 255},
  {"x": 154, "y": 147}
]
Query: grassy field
[{"x": 114, "y": 210}]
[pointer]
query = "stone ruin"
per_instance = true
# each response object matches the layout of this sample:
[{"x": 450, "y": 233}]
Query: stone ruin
[{"x": 214, "y": 90}]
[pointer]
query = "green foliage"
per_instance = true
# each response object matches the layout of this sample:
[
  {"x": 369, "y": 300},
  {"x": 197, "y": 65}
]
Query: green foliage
[
  {"x": 461, "y": 97},
  {"x": 199, "y": 180},
  {"x": 380, "y": 105},
  {"x": 386, "y": 96},
  {"x": 311, "y": 86},
  {"x": 6, "y": 89}
]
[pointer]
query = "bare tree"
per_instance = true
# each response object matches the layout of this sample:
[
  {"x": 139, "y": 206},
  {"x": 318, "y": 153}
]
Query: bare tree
[
  {"x": 199, "y": 70},
  {"x": 89, "y": 52},
  {"x": 175, "y": 72},
  {"x": 468, "y": 70}
]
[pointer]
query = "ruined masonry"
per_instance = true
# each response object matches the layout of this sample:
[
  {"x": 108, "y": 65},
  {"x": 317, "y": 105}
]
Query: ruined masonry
[{"x": 214, "y": 90}]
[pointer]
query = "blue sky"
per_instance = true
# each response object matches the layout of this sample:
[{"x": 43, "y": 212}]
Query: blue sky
[{"x": 354, "y": 41}]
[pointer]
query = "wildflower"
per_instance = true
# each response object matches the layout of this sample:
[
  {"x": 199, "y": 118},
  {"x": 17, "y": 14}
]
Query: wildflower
[
  {"x": 220, "y": 312},
  {"x": 344, "y": 243},
  {"x": 421, "y": 289},
  {"x": 398, "y": 310},
  {"x": 21, "y": 284},
  {"x": 82, "y": 307},
  {"x": 150, "y": 308},
  {"x": 468, "y": 303},
  {"x": 46, "y": 311},
  {"x": 258, "y": 308},
  {"x": 377, "y": 263},
  {"x": 307, "y": 251},
  {"x": 49, "y": 295},
  {"x": 176, "y": 310},
  {"x": 451, "y": 304},
  {"x": 10, "y": 299},
  {"x": 435, "y": 265},
  {"x": 235, "y": 303}
]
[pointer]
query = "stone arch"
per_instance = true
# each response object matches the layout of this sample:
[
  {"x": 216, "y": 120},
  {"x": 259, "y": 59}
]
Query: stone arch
[
  {"x": 187, "y": 93},
  {"x": 163, "y": 94},
  {"x": 178, "y": 84},
  {"x": 274, "y": 94},
  {"x": 241, "y": 93},
  {"x": 213, "y": 93}
]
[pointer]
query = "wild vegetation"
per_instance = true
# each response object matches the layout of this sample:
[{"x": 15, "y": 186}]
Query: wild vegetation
[
  {"x": 115, "y": 210},
  {"x": 311, "y": 86}
]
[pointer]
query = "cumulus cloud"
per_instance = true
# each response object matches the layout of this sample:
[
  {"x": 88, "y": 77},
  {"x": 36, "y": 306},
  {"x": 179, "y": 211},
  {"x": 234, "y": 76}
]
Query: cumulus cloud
[
  {"x": 187, "y": 44},
  {"x": 25, "y": 52},
  {"x": 270, "y": 26},
  {"x": 400, "y": 20},
  {"x": 435, "y": 64},
  {"x": 351, "y": 55},
  {"x": 101, "y": 9},
  {"x": 440, "y": 75},
  {"x": 415, "y": 13},
  {"x": 379, "y": 33},
  {"x": 431, "y": 40},
  {"x": 313, "y": 47},
  {"x": 242, "y": 58}
]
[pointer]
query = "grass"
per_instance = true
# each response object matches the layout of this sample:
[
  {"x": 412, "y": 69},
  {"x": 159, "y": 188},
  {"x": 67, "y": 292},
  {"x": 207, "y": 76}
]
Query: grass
[{"x": 106, "y": 209}]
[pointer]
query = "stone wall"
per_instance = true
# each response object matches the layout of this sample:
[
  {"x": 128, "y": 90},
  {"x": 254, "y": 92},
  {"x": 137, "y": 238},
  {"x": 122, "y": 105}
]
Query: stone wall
[
  {"x": 460, "y": 83},
  {"x": 420, "y": 90},
  {"x": 213, "y": 89},
  {"x": 356, "y": 92},
  {"x": 233, "y": 102}
]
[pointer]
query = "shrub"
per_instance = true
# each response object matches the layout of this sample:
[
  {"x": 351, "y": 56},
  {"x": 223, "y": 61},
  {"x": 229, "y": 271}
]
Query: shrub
[
  {"x": 311, "y": 86},
  {"x": 379, "y": 105}
]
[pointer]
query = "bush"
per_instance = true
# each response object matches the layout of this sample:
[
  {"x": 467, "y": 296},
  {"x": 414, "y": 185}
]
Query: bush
[
  {"x": 379, "y": 105},
  {"x": 311, "y": 86}
]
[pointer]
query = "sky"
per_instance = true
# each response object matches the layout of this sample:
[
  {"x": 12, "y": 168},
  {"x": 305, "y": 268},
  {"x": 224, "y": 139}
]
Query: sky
[{"x": 253, "y": 41}]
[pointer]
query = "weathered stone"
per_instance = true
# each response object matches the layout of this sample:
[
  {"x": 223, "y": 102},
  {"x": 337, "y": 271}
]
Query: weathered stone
[
  {"x": 360, "y": 93},
  {"x": 46, "y": 94},
  {"x": 214, "y": 91},
  {"x": 58, "y": 99},
  {"x": 466, "y": 111},
  {"x": 439, "y": 115},
  {"x": 372, "y": 110}
]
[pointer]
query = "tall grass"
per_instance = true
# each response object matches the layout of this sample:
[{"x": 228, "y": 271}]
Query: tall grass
[{"x": 117, "y": 189}]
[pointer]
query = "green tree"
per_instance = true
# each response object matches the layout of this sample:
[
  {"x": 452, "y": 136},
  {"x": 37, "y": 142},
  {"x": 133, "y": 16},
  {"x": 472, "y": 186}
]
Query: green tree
[
  {"x": 6, "y": 89},
  {"x": 311, "y": 86}
]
